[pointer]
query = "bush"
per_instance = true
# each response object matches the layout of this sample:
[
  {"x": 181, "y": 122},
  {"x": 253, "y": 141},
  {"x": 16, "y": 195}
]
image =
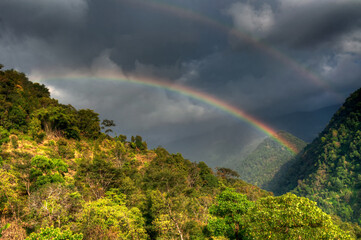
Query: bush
[
  {"x": 51, "y": 233},
  {"x": 14, "y": 141}
]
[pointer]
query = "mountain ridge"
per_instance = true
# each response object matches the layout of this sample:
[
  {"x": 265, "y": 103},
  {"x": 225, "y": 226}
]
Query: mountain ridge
[
  {"x": 61, "y": 177},
  {"x": 328, "y": 171}
]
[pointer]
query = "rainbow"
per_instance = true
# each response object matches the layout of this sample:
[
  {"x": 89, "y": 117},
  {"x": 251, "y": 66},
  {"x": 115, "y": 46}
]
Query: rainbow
[
  {"x": 194, "y": 94},
  {"x": 275, "y": 53}
]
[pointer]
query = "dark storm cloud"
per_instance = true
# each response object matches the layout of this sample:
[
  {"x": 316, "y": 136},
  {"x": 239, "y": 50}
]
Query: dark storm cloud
[
  {"x": 134, "y": 30},
  {"x": 41, "y": 18},
  {"x": 317, "y": 23},
  {"x": 158, "y": 39},
  {"x": 151, "y": 35}
]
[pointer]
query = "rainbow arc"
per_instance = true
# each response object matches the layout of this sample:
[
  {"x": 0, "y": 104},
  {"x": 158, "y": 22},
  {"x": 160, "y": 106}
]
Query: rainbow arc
[{"x": 194, "y": 94}]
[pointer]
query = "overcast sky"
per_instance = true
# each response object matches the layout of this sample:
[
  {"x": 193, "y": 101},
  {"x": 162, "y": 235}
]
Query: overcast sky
[{"x": 268, "y": 58}]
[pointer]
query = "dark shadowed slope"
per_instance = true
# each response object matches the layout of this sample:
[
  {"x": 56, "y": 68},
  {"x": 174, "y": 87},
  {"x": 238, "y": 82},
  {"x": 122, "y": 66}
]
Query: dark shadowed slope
[{"x": 329, "y": 170}]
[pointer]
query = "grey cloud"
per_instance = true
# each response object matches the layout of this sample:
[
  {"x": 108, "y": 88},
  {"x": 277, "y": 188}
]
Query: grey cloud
[
  {"x": 139, "y": 39},
  {"x": 317, "y": 23},
  {"x": 42, "y": 18}
]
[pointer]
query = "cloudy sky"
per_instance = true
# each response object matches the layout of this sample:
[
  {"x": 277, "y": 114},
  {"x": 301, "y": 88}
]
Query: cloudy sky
[{"x": 269, "y": 58}]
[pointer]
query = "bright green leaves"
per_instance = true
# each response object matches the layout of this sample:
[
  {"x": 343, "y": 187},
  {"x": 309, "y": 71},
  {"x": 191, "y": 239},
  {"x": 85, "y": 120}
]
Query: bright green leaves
[
  {"x": 228, "y": 214},
  {"x": 327, "y": 172},
  {"x": 109, "y": 219},
  {"x": 284, "y": 217},
  {"x": 45, "y": 170},
  {"x": 290, "y": 217},
  {"x": 8, "y": 193},
  {"x": 35, "y": 130},
  {"x": 230, "y": 204},
  {"x": 51, "y": 233}
]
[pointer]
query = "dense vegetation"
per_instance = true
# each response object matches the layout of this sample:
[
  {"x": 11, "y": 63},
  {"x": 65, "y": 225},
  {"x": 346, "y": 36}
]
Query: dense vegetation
[
  {"x": 261, "y": 165},
  {"x": 329, "y": 170},
  {"x": 61, "y": 178},
  {"x": 27, "y": 107}
]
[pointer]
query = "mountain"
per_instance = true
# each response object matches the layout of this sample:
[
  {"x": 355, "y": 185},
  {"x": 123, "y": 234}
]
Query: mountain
[
  {"x": 61, "y": 178},
  {"x": 219, "y": 146},
  {"x": 260, "y": 166},
  {"x": 229, "y": 144},
  {"x": 329, "y": 169}
]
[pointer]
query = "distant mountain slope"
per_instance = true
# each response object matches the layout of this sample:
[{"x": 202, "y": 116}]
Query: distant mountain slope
[
  {"x": 58, "y": 170},
  {"x": 226, "y": 144},
  {"x": 60, "y": 177},
  {"x": 219, "y": 146},
  {"x": 329, "y": 170},
  {"x": 260, "y": 166}
]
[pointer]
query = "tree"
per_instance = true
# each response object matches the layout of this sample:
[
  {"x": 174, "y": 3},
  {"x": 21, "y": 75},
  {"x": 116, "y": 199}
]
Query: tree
[
  {"x": 290, "y": 217},
  {"x": 226, "y": 173},
  {"x": 59, "y": 119},
  {"x": 109, "y": 218},
  {"x": 8, "y": 194},
  {"x": 119, "y": 152},
  {"x": 46, "y": 170},
  {"x": 98, "y": 176},
  {"x": 138, "y": 143},
  {"x": 107, "y": 124},
  {"x": 51, "y": 233},
  {"x": 227, "y": 214},
  {"x": 88, "y": 123},
  {"x": 53, "y": 205}
]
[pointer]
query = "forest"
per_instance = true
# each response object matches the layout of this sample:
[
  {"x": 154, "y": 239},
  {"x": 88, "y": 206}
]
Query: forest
[
  {"x": 328, "y": 170},
  {"x": 62, "y": 177}
]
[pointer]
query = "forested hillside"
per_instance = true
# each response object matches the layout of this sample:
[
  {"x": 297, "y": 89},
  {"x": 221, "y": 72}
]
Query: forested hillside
[
  {"x": 261, "y": 165},
  {"x": 329, "y": 170},
  {"x": 61, "y": 178}
]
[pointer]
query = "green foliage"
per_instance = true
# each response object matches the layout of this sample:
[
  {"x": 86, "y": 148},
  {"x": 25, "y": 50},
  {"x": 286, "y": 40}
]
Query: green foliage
[
  {"x": 4, "y": 135},
  {"x": 138, "y": 143},
  {"x": 53, "y": 205},
  {"x": 226, "y": 173},
  {"x": 27, "y": 106},
  {"x": 14, "y": 141},
  {"x": 18, "y": 98},
  {"x": 109, "y": 219},
  {"x": 107, "y": 124},
  {"x": 51, "y": 233},
  {"x": 88, "y": 123},
  {"x": 98, "y": 175},
  {"x": 228, "y": 214},
  {"x": 60, "y": 119},
  {"x": 102, "y": 187},
  {"x": 284, "y": 217},
  {"x": 35, "y": 130},
  {"x": 290, "y": 217},
  {"x": 8, "y": 192},
  {"x": 208, "y": 179},
  {"x": 328, "y": 171},
  {"x": 45, "y": 170},
  {"x": 6, "y": 226},
  {"x": 64, "y": 150},
  {"x": 263, "y": 165}
]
